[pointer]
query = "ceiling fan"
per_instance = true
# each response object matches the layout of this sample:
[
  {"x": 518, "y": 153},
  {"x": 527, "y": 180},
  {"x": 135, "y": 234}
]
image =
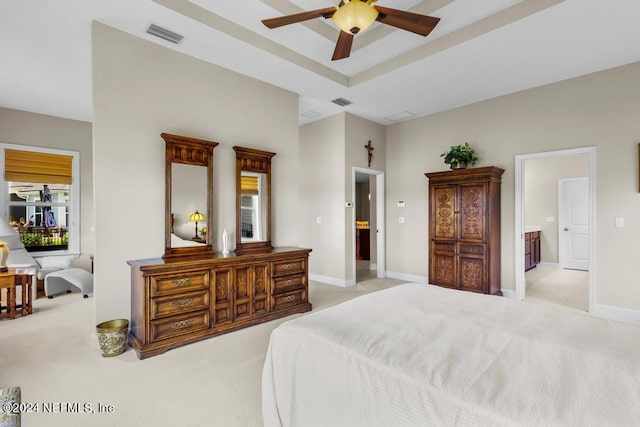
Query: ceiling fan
[{"x": 354, "y": 16}]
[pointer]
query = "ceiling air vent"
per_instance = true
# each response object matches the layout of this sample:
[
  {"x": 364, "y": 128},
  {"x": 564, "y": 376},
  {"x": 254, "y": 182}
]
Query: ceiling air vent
[
  {"x": 163, "y": 33},
  {"x": 341, "y": 102}
]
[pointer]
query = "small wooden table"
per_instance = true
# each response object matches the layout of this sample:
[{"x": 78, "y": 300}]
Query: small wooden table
[{"x": 10, "y": 280}]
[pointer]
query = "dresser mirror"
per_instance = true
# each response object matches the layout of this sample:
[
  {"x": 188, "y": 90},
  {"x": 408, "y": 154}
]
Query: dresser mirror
[
  {"x": 253, "y": 200},
  {"x": 188, "y": 196}
]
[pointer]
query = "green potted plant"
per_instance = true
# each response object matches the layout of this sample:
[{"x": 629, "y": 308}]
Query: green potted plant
[{"x": 460, "y": 156}]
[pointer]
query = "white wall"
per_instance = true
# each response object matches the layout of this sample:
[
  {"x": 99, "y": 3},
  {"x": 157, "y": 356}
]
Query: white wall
[
  {"x": 322, "y": 182},
  {"x": 359, "y": 132},
  {"x": 600, "y": 110},
  {"x": 39, "y": 130},
  {"x": 329, "y": 149},
  {"x": 541, "y": 196},
  {"x": 141, "y": 89}
]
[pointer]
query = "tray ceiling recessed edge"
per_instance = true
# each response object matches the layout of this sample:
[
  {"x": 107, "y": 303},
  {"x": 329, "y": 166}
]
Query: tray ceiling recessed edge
[{"x": 499, "y": 19}]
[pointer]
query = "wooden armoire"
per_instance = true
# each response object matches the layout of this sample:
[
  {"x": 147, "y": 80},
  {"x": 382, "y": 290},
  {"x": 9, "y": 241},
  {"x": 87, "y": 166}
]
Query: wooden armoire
[{"x": 464, "y": 229}]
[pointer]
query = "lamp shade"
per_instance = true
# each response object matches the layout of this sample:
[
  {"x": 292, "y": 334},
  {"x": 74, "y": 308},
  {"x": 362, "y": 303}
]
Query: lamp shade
[
  {"x": 355, "y": 16},
  {"x": 196, "y": 217}
]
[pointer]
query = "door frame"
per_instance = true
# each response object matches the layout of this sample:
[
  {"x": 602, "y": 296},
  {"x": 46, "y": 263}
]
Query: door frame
[
  {"x": 562, "y": 240},
  {"x": 380, "y": 221},
  {"x": 519, "y": 216}
]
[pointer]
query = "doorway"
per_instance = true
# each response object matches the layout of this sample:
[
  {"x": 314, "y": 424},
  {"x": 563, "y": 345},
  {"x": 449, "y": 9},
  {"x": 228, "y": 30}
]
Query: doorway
[
  {"x": 546, "y": 217},
  {"x": 368, "y": 224}
]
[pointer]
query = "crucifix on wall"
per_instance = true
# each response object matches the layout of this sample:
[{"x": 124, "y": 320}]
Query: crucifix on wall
[{"x": 370, "y": 149}]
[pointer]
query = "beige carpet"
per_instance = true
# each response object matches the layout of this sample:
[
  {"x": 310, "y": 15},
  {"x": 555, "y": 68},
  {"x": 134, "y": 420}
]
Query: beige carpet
[
  {"x": 551, "y": 284},
  {"x": 53, "y": 355}
]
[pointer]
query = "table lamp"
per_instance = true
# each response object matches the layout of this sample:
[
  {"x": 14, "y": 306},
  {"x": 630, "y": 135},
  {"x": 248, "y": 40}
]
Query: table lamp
[{"x": 195, "y": 217}]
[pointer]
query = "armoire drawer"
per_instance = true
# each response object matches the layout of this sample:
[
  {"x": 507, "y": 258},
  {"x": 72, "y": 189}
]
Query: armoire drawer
[
  {"x": 189, "y": 281},
  {"x": 288, "y": 283},
  {"x": 282, "y": 301},
  {"x": 179, "y": 325},
  {"x": 180, "y": 303},
  {"x": 290, "y": 266}
]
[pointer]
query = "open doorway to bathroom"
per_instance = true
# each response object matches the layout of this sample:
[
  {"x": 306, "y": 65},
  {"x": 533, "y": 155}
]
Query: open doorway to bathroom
[
  {"x": 555, "y": 205},
  {"x": 368, "y": 223}
]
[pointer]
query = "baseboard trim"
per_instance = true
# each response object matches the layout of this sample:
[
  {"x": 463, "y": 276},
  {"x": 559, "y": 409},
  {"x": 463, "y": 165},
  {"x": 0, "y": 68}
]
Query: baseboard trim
[
  {"x": 407, "y": 277},
  {"x": 549, "y": 264},
  {"x": 616, "y": 313},
  {"x": 331, "y": 280},
  {"x": 508, "y": 293}
]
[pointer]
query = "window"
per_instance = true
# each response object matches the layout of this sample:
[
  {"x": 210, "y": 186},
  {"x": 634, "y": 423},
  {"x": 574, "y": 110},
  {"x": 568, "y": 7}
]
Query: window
[
  {"x": 248, "y": 212},
  {"x": 250, "y": 206},
  {"x": 41, "y": 197}
]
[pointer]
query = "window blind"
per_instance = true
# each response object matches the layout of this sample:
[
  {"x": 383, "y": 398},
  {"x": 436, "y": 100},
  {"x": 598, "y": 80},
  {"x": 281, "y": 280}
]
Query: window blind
[
  {"x": 30, "y": 166},
  {"x": 249, "y": 185}
]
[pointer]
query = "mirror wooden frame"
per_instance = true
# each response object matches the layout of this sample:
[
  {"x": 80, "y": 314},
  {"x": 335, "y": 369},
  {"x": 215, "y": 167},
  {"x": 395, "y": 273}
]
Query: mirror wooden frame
[
  {"x": 188, "y": 151},
  {"x": 252, "y": 160}
]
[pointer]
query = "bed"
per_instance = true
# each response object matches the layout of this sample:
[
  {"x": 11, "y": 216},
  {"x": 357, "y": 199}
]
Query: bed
[
  {"x": 178, "y": 242},
  {"x": 421, "y": 355}
]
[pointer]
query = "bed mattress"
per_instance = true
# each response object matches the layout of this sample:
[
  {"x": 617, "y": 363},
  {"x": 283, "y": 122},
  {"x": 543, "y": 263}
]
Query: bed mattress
[{"x": 421, "y": 355}]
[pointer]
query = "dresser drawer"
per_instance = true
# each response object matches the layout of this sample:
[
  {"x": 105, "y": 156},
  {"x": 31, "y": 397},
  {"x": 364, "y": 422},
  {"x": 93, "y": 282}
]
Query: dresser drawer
[
  {"x": 179, "y": 325},
  {"x": 282, "y": 301},
  {"x": 179, "y": 303},
  {"x": 288, "y": 283},
  {"x": 185, "y": 282},
  {"x": 291, "y": 266}
]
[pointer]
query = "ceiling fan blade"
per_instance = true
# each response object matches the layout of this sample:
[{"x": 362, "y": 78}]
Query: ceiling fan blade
[
  {"x": 416, "y": 23},
  {"x": 327, "y": 12},
  {"x": 343, "y": 46}
]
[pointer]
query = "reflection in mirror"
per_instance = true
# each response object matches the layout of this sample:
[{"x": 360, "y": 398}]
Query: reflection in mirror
[
  {"x": 253, "y": 200},
  {"x": 189, "y": 194},
  {"x": 253, "y": 213}
]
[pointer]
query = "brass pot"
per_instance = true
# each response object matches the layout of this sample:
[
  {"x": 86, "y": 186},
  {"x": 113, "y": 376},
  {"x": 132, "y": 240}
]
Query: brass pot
[{"x": 112, "y": 336}]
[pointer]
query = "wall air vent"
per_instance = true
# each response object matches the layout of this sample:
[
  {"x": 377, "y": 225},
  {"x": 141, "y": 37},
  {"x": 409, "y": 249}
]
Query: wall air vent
[
  {"x": 341, "y": 102},
  {"x": 165, "y": 34}
]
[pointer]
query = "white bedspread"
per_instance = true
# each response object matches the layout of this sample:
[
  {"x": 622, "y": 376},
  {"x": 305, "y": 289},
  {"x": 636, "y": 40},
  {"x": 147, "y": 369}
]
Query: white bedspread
[{"x": 421, "y": 355}]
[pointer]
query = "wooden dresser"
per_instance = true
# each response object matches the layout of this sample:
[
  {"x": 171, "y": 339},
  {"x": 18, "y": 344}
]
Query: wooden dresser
[
  {"x": 464, "y": 229},
  {"x": 185, "y": 300},
  {"x": 531, "y": 250}
]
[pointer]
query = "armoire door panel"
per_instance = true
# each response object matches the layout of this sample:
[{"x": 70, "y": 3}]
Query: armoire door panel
[
  {"x": 473, "y": 274},
  {"x": 471, "y": 250},
  {"x": 443, "y": 270},
  {"x": 443, "y": 210},
  {"x": 472, "y": 212}
]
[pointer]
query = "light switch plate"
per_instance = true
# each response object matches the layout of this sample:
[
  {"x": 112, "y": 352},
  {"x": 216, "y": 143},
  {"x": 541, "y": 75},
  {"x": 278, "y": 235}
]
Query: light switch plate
[
  {"x": 400, "y": 220},
  {"x": 319, "y": 220},
  {"x": 619, "y": 222},
  {"x": 401, "y": 203},
  {"x": 549, "y": 219}
]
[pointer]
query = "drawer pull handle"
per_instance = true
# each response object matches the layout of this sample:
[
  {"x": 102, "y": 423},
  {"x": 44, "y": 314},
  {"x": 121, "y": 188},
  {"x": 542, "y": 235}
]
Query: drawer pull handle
[
  {"x": 288, "y": 282},
  {"x": 181, "y": 324},
  {"x": 289, "y": 266},
  {"x": 182, "y": 303},
  {"x": 289, "y": 298},
  {"x": 181, "y": 282}
]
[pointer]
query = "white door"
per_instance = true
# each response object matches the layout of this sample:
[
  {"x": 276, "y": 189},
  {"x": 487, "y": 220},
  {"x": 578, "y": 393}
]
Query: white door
[{"x": 573, "y": 205}]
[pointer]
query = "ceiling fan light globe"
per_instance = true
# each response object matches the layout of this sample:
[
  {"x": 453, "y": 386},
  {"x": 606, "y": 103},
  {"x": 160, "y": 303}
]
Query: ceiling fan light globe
[{"x": 355, "y": 16}]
